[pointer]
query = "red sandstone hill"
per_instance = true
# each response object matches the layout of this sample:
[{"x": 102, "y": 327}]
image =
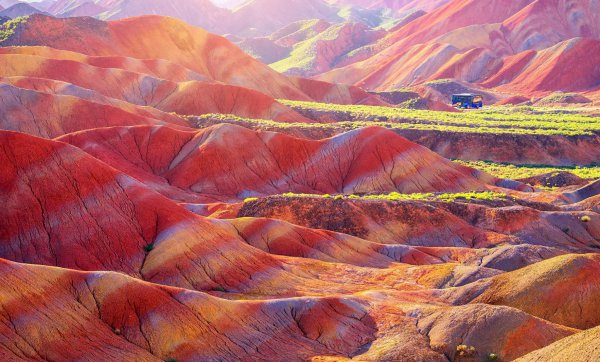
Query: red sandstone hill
[
  {"x": 461, "y": 39},
  {"x": 157, "y": 68},
  {"x": 581, "y": 346},
  {"x": 173, "y": 51},
  {"x": 154, "y": 37},
  {"x": 560, "y": 290},
  {"x": 105, "y": 76},
  {"x": 129, "y": 319},
  {"x": 55, "y": 87},
  {"x": 93, "y": 217},
  {"x": 438, "y": 224},
  {"x": 544, "y": 71},
  {"x": 109, "y": 315},
  {"x": 473, "y": 41},
  {"x": 214, "y": 162},
  {"x": 52, "y": 115}
]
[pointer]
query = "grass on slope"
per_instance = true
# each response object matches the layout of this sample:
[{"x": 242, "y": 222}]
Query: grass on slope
[
  {"x": 511, "y": 120},
  {"x": 304, "y": 53},
  {"x": 511, "y": 171},
  {"x": 231, "y": 118},
  {"x": 8, "y": 28},
  {"x": 396, "y": 196}
]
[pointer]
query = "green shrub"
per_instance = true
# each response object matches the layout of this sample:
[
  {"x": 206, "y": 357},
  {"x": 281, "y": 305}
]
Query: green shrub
[
  {"x": 492, "y": 357},
  {"x": 514, "y": 172},
  {"x": 586, "y": 218},
  {"x": 396, "y": 196},
  {"x": 250, "y": 199},
  {"x": 496, "y": 120},
  {"x": 8, "y": 28},
  {"x": 148, "y": 248},
  {"x": 465, "y": 351}
]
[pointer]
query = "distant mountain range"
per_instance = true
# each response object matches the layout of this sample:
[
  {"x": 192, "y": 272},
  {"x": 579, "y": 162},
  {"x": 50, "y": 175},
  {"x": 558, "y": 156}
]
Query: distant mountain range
[{"x": 387, "y": 45}]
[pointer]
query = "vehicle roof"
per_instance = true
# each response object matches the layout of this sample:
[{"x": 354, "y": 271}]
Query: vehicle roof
[{"x": 468, "y": 94}]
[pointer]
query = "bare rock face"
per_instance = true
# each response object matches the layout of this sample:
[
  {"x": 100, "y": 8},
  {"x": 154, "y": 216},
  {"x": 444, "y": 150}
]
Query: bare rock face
[
  {"x": 109, "y": 314},
  {"x": 566, "y": 290},
  {"x": 490, "y": 330},
  {"x": 582, "y": 346}
]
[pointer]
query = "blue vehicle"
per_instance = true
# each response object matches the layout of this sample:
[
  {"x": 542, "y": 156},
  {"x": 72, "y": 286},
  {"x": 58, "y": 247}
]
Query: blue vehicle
[{"x": 467, "y": 100}]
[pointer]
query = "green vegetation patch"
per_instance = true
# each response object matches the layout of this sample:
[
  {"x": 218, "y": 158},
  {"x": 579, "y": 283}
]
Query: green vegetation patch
[
  {"x": 515, "y": 172},
  {"x": 230, "y": 118},
  {"x": 396, "y": 196},
  {"x": 510, "y": 120},
  {"x": 304, "y": 53},
  {"x": 499, "y": 120},
  {"x": 8, "y": 28}
]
